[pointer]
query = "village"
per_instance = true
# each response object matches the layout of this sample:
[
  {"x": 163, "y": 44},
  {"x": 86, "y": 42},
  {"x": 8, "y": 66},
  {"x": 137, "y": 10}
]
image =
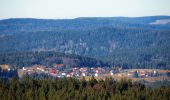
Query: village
[{"x": 61, "y": 70}]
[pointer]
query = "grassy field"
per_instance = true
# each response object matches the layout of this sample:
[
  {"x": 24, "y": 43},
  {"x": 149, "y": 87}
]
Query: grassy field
[{"x": 124, "y": 74}]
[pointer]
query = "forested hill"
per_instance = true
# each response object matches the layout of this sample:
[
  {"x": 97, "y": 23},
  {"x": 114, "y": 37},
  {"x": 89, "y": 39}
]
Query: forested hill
[
  {"x": 49, "y": 59},
  {"x": 140, "y": 42}
]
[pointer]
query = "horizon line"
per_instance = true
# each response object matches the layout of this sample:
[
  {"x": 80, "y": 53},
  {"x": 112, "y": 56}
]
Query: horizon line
[{"x": 69, "y": 18}]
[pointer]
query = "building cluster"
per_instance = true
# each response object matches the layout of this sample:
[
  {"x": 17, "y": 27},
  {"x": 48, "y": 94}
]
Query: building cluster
[
  {"x": 61, "y": 70},
  {"x": 143, "y": 73}
]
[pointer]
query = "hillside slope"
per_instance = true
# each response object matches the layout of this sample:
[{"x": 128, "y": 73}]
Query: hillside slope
[
  {"x": 48, "y": 59},
  {"x": 128, "y": 42}
]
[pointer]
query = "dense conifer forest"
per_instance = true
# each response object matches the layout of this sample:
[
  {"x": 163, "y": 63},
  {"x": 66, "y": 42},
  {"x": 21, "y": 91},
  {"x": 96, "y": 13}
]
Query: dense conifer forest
[
  {"x": 137, "y": 42},
  {"x": 48, "y": 59},
  {"x": 75, "y": 89}
]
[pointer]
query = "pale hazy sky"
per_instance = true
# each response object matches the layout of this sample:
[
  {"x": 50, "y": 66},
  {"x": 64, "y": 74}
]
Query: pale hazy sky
[{"x": 82, "y": 8}]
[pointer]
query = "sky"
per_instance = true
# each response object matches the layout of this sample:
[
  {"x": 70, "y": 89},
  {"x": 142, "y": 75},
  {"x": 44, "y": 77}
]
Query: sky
[{"x": 61, "y": 9}]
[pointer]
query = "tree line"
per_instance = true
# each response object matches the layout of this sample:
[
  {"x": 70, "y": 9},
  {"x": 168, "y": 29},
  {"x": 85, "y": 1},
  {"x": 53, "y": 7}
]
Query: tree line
[{"x": 78, "y": 89}]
